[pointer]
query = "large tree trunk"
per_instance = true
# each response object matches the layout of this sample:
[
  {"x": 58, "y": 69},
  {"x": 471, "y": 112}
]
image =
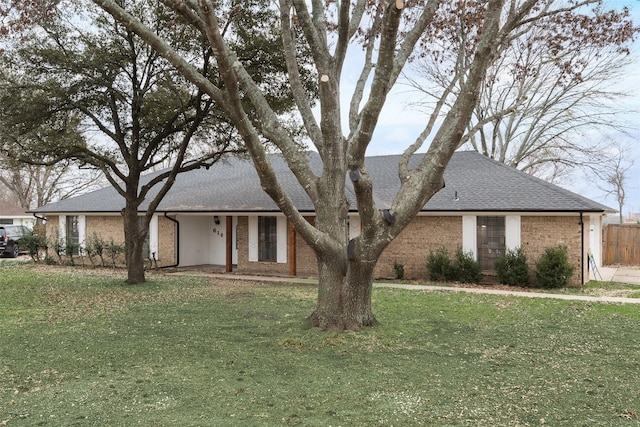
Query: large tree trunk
[
  {"x": 134, "y": 243},
  {"x": 344, "y": 294},
  {"x": 344, "y": 273}
]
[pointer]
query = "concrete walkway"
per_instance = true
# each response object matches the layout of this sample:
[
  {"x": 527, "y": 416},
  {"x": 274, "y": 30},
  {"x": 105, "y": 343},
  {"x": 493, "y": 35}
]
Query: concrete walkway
[
  {"x": 630, "y": 275},
  {"x": 611, "y": 273},
  {"x": 511, "y": 293}
]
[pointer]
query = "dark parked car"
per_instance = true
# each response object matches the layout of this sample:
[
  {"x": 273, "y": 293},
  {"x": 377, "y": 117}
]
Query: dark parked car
[{"x": 10, "y": 236}]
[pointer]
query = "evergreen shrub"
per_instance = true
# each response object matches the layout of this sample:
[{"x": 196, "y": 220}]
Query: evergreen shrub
[
  {"x": 399, "y": 270},
  {"x": 439, "y": 265},
  {"x": 465, "y": 268},
  {"x": 553, "y": 269},
  {"x": 34, "y": 243},
  {"x": 512, "y": 268}
]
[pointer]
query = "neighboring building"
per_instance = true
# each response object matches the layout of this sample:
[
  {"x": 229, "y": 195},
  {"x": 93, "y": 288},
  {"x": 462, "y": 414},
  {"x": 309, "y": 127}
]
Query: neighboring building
[
  {"x": 221, "y": 216},
  {"x": 14, "y": 214}
]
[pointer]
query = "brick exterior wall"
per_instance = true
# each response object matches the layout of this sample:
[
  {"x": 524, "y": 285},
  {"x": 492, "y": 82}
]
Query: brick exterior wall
[
  {"x": 244, "y": 266},
  {"x": 412, "y": 246},
  {"x": 51, "y": 225},
  {"x": 106, "y": 227},
  {"x": 111, "y": 227},
  {"x": 166, "y": 242},
  {"x": 427, "y": 233},
  {"x": 306, "y": 264},
  {"x": 541, "y": 232}
]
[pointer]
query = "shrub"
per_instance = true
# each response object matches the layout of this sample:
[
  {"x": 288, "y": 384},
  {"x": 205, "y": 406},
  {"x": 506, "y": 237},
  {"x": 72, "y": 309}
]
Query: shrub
[
  {"x": 512, "y": 268},
  {"x": 113, "y": 249},
  {"x": 439, "y": 265},
  {"x": 70, "y": 249},
  {"x": 465, "y": 268},
  {"x": 34, "y": 243},
  {"x": 399, "y": 270},
  {"x": 49, "y": 260},
  {"x": 95, "y": 246},
  {"x": 90, "y": 252},
  {"x": 553, "y": 269},
  {"x": 57, "y": 244}
]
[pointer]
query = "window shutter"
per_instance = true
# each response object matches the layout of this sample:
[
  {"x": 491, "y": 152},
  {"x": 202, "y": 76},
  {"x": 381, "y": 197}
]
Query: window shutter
[
  {"x": 62, "y": 228},
  {"x": 253, "y": 239},
  {"x": 512, "y": 231},
  {"x": 282, "y": 240},
  {"x": 470, "y": 234},
  {"x": 82, "y": 231}
]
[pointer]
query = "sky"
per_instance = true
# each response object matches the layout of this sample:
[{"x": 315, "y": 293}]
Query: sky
[{"x": 400, "y": 124}]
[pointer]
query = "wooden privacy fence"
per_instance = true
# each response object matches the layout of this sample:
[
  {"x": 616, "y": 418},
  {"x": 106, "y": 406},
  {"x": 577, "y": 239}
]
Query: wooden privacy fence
[{"x": 621, "y": 244}]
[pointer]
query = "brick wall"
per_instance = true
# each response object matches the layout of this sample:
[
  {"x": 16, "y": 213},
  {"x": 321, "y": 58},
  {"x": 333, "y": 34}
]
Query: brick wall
[
  {"x": 166, "y": 242},
  {"x": 427, "y": 233},
  {"x": 112, "y": 227},
  {"x": 106, "y": 227},
  {"x": 51, "y": 226},
  {"x": 541, "y": 232},
  {"x": 412, "y": 246},
  {"x": 306, "y": 263},
  {"x": 244, "y": 266}
]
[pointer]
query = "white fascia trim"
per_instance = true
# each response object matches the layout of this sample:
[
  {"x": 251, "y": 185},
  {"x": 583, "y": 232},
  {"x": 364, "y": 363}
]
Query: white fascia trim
[{"x": 505, "y": 213}]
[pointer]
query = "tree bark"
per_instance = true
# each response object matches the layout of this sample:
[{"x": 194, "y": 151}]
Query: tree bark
[
  {"x": 134, "y": 244},
  {"x": 344, "y": 295}
]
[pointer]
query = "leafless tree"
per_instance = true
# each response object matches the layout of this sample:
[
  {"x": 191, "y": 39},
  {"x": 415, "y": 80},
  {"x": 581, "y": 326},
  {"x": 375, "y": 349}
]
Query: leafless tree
[
  {"x": 613, "y": 172},
  {"x": 548, "y": 91},
  {"x": 36, "y": 185}
]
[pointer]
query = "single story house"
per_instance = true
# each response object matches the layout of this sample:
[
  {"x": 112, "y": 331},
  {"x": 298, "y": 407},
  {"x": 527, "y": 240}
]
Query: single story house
[
  {"x": 221, "y": 216},
  {"x": 13, "y": 214}
]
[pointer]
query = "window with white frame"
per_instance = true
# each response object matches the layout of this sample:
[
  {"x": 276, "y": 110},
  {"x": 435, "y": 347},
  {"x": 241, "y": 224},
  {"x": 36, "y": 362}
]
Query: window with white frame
[
  {"x": 72, "y": 234},
  {"x": 267, "y": 238}
]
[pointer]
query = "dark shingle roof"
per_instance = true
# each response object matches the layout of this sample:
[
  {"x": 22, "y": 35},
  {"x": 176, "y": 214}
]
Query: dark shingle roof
[{"x": 481, "y": 184}]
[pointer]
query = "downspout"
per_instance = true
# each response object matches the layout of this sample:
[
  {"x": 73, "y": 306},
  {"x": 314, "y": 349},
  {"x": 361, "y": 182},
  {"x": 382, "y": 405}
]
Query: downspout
[
  {"x": 177, "y": 223},
  {"x": 582, "y": 249}
]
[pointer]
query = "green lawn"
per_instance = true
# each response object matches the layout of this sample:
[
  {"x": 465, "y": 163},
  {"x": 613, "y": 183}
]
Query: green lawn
[{"x": 83, "y": 349}]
